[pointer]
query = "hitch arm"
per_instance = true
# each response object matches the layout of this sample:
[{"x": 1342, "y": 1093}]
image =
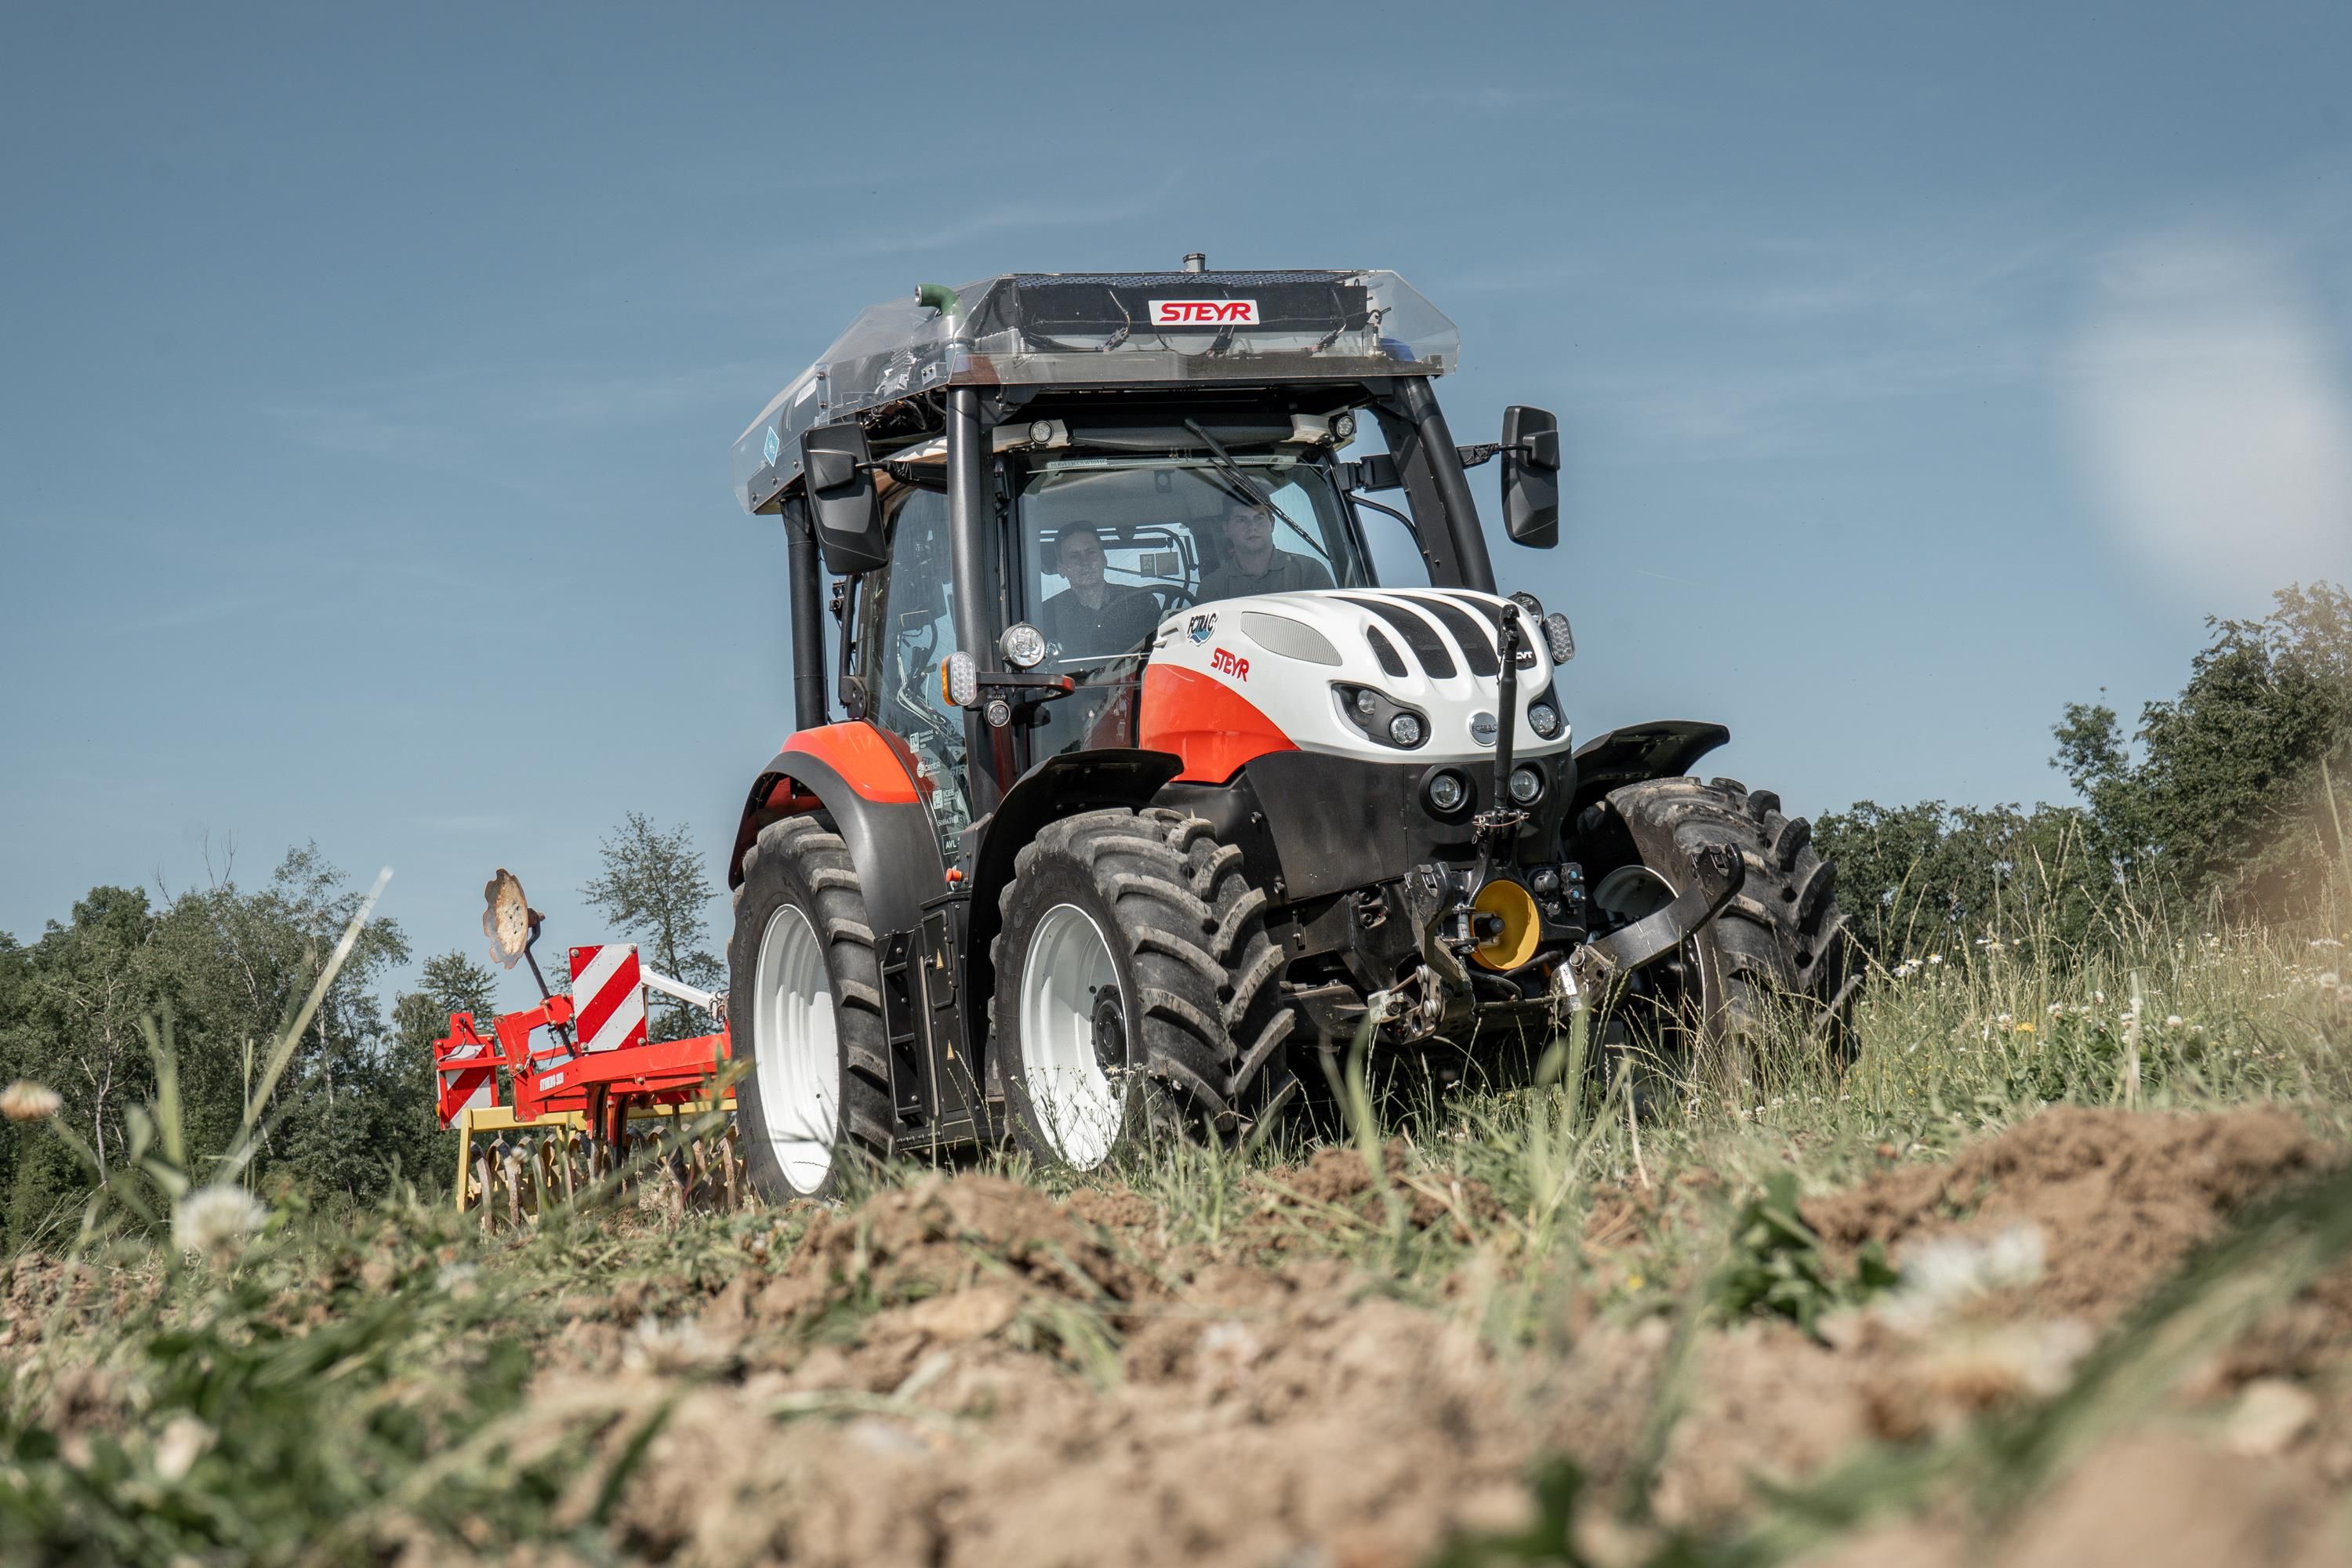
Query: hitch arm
[{"x": 1599, "y": 967}]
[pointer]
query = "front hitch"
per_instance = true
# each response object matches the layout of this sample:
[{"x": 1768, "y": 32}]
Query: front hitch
[{"x": 1599, "y": 968}]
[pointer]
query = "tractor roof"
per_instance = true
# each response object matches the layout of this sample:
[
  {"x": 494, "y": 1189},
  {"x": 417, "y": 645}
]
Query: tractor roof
[{"x": 1101, "y": 329}]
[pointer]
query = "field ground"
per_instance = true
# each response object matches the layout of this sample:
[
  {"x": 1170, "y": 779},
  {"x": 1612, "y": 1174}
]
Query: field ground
[{"x": 2054, "y": 1272}]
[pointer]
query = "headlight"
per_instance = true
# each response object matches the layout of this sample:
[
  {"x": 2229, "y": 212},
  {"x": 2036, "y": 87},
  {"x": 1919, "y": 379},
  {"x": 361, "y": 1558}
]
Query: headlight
[
  {"x": 1023, "y": 643},
  {"x": 1379, "y": 717},
  {"x": 1558, "y": 638},
  {"x": 1343, "y": 425},
  {"x": 1527, "y": 786},
  {"x": 1544, "y": 719},
  {"x": 1529, "y": 603},
  {"x": 1447, "y": 791}
]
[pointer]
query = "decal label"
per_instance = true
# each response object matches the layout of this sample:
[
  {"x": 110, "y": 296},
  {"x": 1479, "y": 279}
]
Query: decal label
[
  {"x": 1224, "y": 662},
  {"x": 1203, "y": 312},
  {"x": 774, "y": 446},
  {"x": 1201, "y": 626}
]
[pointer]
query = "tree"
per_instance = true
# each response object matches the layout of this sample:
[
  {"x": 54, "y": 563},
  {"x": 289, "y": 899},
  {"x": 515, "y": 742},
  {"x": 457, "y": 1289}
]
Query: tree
[
  {"x": 219, "y": 973},
  {"x": 1915, "y": 879},
  {"x": 2229, "y": 795},
  {"x": 654, "y": 888},
  {"x": 2223, "y": 791}
]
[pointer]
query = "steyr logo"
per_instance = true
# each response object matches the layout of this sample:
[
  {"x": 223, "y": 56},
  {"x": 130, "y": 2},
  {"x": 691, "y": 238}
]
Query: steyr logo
[
  {"x": 1203, "y": 312},
  {"x": 1201, "y": 626},
  {"x": 1224, "y": 662}
]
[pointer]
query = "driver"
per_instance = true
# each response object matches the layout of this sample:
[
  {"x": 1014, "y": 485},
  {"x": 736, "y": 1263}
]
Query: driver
[
  {"x": 1252, "y": 564},
  {"x": 1091, "y": 618}
]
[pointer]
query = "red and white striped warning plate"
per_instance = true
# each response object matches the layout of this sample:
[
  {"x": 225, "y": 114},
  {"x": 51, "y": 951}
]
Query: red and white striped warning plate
[
  {"x": 608, "y": 996},
  {"x": 475, "y": 1089}
]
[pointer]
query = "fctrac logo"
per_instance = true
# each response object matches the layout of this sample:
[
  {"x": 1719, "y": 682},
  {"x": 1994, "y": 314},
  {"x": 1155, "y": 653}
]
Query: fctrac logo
[
  {"x": 1203, "y": 312},
  {"x": 1201, "y": 626},
  {"x": 1224, "y": 663}
]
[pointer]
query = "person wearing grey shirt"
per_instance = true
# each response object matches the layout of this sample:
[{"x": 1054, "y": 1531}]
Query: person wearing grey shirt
[
  {"x": 1251, "y": 564},
  {"x": 1091, "y": 618}
]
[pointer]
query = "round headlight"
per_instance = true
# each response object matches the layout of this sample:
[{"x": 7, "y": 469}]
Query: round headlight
[
  {"x": 1343, "y": 425},
  {"x": 1041, "y": 431},
  {"x": 1023, "y": 644},
  {"x": 1447, "y": 792},
  {"x": 1527, "y": 786},
  {"x": 1544, "y": 719},
  {"x": 1405, "y": 730},
  {"x": 1367, "y": 701}
]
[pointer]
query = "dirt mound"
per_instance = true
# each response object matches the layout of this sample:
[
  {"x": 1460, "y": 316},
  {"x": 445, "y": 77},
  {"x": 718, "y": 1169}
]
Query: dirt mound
[
  {"x": 969, "y": 1372},
  {"x": 2118, "y": 1196},
  {"x": 1242, "y": 1413},
  {"x": 1337, "y": 1185}
]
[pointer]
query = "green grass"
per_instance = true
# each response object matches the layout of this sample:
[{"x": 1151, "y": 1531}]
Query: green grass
[{"x": 317, "y": 1394}]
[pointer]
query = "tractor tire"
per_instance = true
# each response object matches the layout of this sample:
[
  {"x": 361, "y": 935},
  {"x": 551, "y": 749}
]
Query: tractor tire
[
  {"x": 804, "y": 1006},
  {"x": 1137, "y": 995},
  {"x": 1779, "y": 953}
]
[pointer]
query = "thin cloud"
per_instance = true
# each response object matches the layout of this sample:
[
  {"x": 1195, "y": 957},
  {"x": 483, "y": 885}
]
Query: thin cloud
[{"x": 2211, "y": 418}]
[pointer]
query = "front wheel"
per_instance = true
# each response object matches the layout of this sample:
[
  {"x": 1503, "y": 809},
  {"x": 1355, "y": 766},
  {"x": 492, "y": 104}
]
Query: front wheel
[
  {"x": 1137, "y": 990},
  {"x": 1778, "y": 958}
]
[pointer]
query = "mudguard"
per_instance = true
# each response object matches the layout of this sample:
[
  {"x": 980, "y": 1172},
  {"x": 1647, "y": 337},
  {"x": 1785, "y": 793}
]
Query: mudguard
[
  {"x": 856, "y": 774},
  {"x": 1663, "y": 748}
]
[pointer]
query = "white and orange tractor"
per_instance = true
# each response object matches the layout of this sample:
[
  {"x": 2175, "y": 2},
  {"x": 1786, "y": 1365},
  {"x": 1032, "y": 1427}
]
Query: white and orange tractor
[{"x": 1145, "y": 763}]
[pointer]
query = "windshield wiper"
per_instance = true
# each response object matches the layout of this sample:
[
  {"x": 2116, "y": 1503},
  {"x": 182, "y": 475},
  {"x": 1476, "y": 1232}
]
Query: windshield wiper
[{"x": 1237, "y": 485}]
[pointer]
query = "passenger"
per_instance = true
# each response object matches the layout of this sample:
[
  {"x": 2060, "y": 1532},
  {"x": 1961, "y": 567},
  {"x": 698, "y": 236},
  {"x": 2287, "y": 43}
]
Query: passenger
[
  {"x": 1251, "y": 564},
  {"x": 1092, "y": 618}
]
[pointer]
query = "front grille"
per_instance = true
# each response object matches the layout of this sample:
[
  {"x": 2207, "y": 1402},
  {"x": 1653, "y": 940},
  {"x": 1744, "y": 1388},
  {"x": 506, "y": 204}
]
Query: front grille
[
  {"x": 1478, "y": 648},
  {"x": 1418, "y": 634}
]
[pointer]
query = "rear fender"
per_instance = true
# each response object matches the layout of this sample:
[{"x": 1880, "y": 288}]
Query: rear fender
[
  {"x": 1663, "y": 748},
  {"x": 854, "y": 774},
  {"x": 1059, "y": 786}
]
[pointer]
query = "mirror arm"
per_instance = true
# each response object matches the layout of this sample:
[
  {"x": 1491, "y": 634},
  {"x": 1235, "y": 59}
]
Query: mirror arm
[
  {"x": 1483, "y": 452},
  {"x": 1358, "y": 499}
]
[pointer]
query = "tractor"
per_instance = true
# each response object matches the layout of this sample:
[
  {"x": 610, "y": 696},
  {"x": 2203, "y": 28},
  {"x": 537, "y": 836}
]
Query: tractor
[{"x": 1144, "y": 760}]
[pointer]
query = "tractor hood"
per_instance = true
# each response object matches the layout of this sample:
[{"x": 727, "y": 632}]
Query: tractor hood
[{"x": 1384, "y": 675}]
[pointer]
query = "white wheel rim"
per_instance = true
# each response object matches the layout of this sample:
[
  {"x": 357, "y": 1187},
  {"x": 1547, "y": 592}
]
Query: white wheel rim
[
  {"x": 796, "y": 1049},
  {"x": 1064, "y": 976}
]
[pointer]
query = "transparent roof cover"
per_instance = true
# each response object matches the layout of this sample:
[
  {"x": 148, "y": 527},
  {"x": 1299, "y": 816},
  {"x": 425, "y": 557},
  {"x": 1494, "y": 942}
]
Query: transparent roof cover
[{"x": 1102, "y": 329}]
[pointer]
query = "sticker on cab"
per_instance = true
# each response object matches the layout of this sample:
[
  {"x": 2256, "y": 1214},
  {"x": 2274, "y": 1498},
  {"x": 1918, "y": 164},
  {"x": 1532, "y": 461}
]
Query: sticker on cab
[{"x": 1203, "y": 312}]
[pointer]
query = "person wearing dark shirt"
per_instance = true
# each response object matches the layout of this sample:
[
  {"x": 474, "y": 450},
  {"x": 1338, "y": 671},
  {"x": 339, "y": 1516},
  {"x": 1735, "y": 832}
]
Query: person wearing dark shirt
[
  {"x": 1251, "y": 564},
  {"x": 1091, "y": 618}
]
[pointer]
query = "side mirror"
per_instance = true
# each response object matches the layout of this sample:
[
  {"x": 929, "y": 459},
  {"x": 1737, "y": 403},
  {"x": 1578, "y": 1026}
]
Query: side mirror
[
  {"x": 843, "y": 506},
  {"x": 1531, "y": 477}
]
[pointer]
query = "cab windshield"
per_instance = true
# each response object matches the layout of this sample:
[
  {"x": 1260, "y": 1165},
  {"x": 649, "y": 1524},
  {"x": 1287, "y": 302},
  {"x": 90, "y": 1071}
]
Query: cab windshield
[{"x": 1113, "y": 546}]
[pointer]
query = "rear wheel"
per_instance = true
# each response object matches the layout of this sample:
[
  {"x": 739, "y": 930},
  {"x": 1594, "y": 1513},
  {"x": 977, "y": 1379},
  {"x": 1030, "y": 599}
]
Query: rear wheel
[
  {"x": 806, "y": 1004},
  {"x": 1777, "y": 957},
  {"x": 1137, "y": 990}
]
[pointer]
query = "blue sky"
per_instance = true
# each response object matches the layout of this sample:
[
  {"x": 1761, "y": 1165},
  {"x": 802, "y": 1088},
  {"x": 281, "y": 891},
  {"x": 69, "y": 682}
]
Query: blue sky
[{"x": 366, "y": 382}]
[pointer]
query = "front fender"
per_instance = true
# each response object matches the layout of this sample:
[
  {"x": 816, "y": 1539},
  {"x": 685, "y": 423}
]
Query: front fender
[
  {"x": 1663, "y": 748},
  {"x": 856, "y": 776}
]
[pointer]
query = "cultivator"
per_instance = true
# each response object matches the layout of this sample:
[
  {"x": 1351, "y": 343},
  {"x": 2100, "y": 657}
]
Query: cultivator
[{"x": 597, "y": 1098}]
